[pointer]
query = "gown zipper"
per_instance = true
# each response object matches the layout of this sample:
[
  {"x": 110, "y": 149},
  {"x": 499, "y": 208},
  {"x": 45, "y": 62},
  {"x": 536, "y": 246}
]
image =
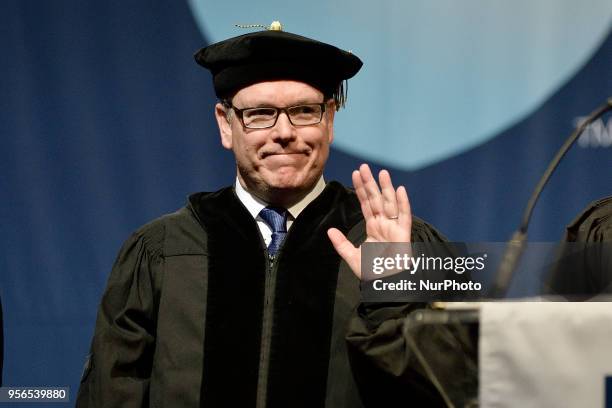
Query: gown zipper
[{"x": 266, "y": 327}]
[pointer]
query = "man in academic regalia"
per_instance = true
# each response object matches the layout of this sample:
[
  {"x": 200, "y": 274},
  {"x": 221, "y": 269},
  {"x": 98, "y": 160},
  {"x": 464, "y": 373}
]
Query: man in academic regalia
[{"x": 246, "y": 296}]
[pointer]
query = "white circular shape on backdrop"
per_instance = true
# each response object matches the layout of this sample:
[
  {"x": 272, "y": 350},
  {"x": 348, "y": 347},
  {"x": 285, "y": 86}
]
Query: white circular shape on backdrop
[{"x": 438, "y": 77}]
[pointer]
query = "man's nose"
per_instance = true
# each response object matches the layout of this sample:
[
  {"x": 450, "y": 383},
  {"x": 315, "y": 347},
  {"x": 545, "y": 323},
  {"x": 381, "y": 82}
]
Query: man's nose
[{"x": 284, "y": 130}]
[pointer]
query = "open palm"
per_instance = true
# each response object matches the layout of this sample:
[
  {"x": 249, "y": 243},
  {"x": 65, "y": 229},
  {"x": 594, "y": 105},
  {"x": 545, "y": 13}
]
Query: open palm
[{"x": 386, "y": 212}]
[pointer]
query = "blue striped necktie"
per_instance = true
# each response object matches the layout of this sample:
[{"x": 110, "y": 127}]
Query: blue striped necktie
[{"x": 276, "y": 218}]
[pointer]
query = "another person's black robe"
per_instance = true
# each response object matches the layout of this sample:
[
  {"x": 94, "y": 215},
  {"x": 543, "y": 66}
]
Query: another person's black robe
[
  {"x": 194, "y": 315},
  {"x": 584, "y": 267}
]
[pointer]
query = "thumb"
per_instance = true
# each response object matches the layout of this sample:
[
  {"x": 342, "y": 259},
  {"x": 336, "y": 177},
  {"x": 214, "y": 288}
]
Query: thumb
[{"x": 346, "y": 250}]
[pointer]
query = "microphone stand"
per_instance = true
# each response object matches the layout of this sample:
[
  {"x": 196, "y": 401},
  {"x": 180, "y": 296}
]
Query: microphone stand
[{"x": 515, "y": 246}]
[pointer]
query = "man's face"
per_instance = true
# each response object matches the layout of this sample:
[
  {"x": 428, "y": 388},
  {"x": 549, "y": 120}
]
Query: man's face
[{"x": 282, "y": 163}]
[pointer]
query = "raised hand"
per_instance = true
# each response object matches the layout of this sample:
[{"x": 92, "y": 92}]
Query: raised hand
[{"x": 386, "y": 212}]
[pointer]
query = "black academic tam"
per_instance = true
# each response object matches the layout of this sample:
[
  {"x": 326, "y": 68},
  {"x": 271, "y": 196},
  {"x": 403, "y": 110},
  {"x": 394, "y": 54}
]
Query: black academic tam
[{"x": 273, "y": 55}]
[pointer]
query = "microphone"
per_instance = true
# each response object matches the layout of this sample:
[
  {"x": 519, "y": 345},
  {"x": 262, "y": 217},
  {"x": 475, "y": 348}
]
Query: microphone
[{"x": 515, "y": 246}]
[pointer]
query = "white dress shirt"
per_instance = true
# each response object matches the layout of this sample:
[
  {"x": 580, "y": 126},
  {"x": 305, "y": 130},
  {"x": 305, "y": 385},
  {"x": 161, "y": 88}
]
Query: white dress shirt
[{"x": 255, "y": 205}]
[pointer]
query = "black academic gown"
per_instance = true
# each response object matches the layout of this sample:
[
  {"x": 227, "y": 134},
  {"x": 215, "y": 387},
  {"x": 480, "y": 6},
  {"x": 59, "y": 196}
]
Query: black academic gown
[{"x": 195, "y": 315}]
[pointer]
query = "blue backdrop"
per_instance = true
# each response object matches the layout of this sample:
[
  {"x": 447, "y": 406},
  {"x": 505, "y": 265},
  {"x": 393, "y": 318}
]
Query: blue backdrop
[{"x": 107, "y": 122}]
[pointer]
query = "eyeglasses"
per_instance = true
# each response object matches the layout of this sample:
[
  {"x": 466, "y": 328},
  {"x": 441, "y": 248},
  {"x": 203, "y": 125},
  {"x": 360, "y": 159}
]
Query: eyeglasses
[{"x": 266, "y": 117}]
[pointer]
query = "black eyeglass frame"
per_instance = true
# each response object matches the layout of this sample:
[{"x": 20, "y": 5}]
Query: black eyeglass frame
[{"x": 240, "y": 112}]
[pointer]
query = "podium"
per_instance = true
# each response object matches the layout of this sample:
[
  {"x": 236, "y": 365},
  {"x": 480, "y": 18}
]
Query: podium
[{"x": 515, "y": 354}]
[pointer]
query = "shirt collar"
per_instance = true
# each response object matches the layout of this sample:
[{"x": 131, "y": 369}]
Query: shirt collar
[{"x": 254, "y": 204}]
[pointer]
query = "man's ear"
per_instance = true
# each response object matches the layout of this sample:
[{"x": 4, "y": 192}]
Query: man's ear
[
  {"x": 223, "y": 116},
  {"x": 330, "y": 112}
]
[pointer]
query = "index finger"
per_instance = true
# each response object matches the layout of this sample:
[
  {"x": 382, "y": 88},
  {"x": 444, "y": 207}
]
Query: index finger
[{"x": 362, "y": 195}]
